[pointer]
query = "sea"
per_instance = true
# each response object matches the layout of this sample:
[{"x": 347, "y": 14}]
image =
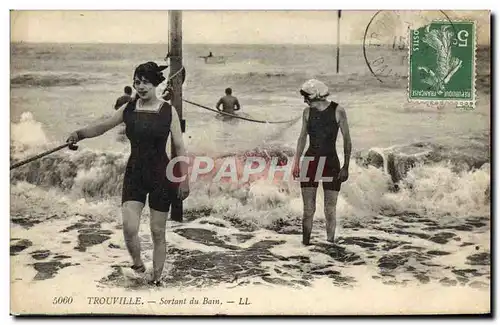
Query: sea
[{"x": 415, "y": 212}]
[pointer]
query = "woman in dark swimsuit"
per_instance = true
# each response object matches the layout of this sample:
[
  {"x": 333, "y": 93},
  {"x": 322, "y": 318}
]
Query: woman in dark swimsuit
[
  {"x": 149, "y": 121},
  {"x": 321, "y": 121}
]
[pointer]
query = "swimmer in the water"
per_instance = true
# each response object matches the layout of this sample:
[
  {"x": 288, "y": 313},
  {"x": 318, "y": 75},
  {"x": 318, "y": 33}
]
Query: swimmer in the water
[
  {"x": 229, "y": 103},
  {"x": 149, "y": 121},
  {"x": 125, "y": 98}
]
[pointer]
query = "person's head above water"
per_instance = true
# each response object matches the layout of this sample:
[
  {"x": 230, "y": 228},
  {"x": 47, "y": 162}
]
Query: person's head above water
[
  {"x": 314, "y": 90},
  {"x": 147, "y": 77},
  {"x": 229, "y": 91},
  {"x": 127, "y": 90}
]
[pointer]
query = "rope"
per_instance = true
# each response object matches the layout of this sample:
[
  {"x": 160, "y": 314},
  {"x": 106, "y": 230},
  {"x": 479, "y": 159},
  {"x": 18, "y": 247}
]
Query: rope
[
  {"x": 240, "y": 117},
  {"x": 43, "y": 154},
  {"x": 175, "y": 74},
  {"x": 224, "y": 113}
]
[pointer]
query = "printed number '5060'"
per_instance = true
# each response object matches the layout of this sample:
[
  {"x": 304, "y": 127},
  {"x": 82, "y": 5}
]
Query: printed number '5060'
[{"x": 62, "y": 300}]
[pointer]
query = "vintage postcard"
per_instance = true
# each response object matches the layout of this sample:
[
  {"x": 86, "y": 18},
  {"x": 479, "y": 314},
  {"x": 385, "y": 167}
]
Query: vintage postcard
[{"x": 250, "y": 162}]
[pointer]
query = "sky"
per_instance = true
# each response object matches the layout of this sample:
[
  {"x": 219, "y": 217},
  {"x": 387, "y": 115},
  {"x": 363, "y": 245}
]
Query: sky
[{"x": 212, "y": 27}]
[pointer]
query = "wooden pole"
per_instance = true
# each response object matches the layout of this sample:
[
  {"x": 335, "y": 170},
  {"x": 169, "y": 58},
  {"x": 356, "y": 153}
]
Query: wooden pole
[
  {"x": 175, "y": 65},
  {"x": 338, "y": 39}
]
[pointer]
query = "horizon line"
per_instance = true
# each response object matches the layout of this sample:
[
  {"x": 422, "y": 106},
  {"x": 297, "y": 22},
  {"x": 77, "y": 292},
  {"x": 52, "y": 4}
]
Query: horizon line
[{"x": 166, "y": 43}]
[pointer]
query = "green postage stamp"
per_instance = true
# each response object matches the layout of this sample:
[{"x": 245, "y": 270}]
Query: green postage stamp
[{"x": 442, "y": 63}]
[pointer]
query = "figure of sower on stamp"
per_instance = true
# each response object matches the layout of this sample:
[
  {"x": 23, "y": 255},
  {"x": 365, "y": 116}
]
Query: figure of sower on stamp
[
  {"x": 321, "y": 122},
  {"x": 442, "y": 62}
]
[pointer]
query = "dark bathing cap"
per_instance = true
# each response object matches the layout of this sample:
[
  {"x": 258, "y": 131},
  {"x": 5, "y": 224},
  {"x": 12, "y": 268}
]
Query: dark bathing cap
[{"x": 151, "y": 72}]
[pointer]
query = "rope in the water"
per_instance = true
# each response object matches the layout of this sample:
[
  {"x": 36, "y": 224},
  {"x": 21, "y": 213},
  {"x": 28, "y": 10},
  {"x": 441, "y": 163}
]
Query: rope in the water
[
  {"x": 43, "y": 154},
  {"x": 240, "y": 117},
  {"x": 224, "y": 113}
]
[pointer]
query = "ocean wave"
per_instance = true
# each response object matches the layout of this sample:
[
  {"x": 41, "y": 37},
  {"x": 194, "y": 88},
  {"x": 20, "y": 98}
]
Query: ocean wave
[
  {"x": 85, "y": 173},
  {"x": 53, "y": 79},
  {"x": 422, "y": 178},
  {"x": 397, "y": 161},
  {"x": 100, "y": 174},
  {"x": 28, "y": 133}
]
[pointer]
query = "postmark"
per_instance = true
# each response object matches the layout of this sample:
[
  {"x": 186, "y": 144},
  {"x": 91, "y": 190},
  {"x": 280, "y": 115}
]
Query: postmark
[
  {"x": 386, "y": 42},
  {"x": 442, "y": 63}
]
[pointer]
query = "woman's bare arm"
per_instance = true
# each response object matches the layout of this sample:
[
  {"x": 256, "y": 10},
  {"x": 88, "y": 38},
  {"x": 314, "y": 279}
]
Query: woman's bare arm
[
  {"x": 344, "y": 128},
  {"x": 301, "y": 142},
  {"x": 102, "y": 127}
]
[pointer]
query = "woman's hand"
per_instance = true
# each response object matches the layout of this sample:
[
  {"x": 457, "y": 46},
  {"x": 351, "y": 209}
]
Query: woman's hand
[
  {"x": 183, "y": 190},
  {"x": 168, "y": 93},
  {"x": 296, "y": 169},
  {"x": 343, "y": 174}
]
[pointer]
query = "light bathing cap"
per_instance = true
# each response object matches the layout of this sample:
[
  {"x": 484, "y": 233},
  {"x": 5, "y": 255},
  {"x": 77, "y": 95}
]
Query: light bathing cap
[{"x": 314, "y": 89}]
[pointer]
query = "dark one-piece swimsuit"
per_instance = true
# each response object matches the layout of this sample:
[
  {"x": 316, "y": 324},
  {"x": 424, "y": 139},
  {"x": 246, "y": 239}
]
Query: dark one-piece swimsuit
[
  {"x": 145, "y": 173},
  {"x": 322, "y": 128}
]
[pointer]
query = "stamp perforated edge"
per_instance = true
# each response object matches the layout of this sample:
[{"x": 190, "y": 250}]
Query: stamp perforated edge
[{"x": 438, "y": 102}]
